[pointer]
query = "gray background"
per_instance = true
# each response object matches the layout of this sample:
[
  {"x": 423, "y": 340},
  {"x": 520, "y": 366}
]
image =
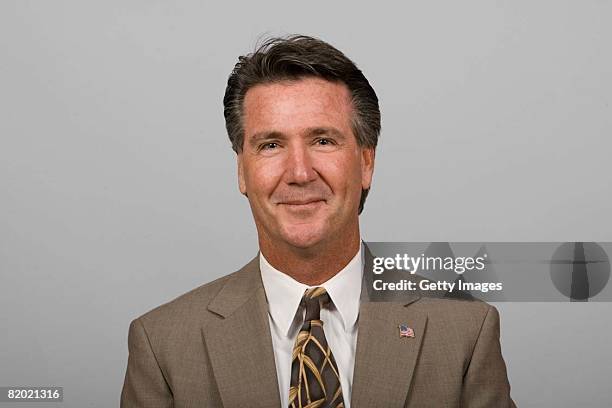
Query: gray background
[{"x": 118, "y": 189}]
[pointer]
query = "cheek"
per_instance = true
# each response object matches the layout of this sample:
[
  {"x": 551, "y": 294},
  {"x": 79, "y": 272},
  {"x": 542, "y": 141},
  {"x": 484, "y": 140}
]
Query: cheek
[
  {"x": 344, "y": 174},
  {"x": 263, "y": 177}
]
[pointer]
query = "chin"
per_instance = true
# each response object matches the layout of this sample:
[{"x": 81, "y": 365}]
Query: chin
[{"x": 303, "y": 236}]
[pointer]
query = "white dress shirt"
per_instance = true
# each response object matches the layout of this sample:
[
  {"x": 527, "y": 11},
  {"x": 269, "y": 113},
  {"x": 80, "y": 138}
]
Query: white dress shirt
[{"x": 340, "y": 319}]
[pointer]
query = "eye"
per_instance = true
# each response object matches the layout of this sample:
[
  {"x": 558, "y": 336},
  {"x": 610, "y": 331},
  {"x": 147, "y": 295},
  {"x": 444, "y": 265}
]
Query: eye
[
  {"x": 269, "y": 146},
  {"x": 324, "y": 141}
]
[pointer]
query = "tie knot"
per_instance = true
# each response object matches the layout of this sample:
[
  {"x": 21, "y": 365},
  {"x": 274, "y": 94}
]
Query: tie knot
[{"x": 313, "y": 299}]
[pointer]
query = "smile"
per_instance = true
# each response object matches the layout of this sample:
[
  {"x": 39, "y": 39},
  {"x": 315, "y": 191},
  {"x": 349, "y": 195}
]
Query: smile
[{"x": 303, "y": 205}]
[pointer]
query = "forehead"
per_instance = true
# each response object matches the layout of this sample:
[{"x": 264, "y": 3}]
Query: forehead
[{"x": 293, "y": 104}]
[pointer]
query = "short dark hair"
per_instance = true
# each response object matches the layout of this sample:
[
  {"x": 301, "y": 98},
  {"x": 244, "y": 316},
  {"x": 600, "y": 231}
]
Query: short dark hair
[{"x": 292, "y": 58}]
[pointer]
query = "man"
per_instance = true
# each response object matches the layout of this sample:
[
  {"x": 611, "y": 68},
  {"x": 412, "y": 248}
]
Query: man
[{"x": 295, "y": 327}]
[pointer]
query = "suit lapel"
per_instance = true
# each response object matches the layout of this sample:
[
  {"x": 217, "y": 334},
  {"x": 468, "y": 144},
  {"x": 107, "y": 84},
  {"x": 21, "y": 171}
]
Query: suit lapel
[
  {"x": 239, "y": 343},
  {"x": 240, "y": 348},
  {"x": 384, "y": 361}
]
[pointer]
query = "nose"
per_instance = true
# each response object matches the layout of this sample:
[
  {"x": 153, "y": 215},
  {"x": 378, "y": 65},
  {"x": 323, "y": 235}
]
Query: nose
[{"x": 299, "y": 166}]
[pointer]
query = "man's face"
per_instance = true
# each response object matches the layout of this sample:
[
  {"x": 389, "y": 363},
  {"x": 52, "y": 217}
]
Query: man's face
[{"x": 301, "y": 166}]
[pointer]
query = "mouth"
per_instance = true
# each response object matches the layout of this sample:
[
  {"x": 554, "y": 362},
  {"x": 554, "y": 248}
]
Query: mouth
[{"x": 303, "y": 205}]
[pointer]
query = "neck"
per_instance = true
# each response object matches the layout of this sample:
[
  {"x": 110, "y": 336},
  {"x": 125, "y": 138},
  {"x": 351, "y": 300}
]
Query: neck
[{"x": 313, "y": 265}]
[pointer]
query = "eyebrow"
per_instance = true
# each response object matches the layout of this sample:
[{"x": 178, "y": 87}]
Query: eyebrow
[{"x": 313, "y": 131}]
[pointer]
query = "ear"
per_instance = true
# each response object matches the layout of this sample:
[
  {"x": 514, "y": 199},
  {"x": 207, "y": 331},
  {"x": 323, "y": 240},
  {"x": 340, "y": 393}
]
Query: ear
[
  {"x": 241, "y": 182},
  {"x": 367, "y": 166}
]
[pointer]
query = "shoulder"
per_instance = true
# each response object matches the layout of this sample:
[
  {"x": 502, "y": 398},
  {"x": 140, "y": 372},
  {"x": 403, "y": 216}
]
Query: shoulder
[
  {"x": 190, "y": 303},
  {"x": 455, "y": 309},
  {"x": 459, "y": 322},
  {"x": 190, "y": 309}
]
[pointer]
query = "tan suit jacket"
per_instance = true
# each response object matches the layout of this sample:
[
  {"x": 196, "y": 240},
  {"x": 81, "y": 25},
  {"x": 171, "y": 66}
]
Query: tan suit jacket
[{"x": 212, "y": 347}]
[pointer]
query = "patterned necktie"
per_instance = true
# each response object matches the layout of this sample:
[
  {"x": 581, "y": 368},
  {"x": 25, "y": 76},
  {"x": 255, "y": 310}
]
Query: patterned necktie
[{"x": 315, "y": 381}]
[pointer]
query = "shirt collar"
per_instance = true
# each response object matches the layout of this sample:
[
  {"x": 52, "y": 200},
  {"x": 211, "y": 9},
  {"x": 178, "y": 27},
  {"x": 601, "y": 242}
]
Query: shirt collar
[{"x": 285, "y": 293}]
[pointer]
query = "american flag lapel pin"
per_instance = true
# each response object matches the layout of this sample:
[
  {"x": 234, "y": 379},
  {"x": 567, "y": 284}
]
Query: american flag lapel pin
[{"x": 405, "y": 331}]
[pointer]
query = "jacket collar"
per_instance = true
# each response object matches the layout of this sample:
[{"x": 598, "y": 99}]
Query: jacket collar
[{"x": 240, "y": 348}]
